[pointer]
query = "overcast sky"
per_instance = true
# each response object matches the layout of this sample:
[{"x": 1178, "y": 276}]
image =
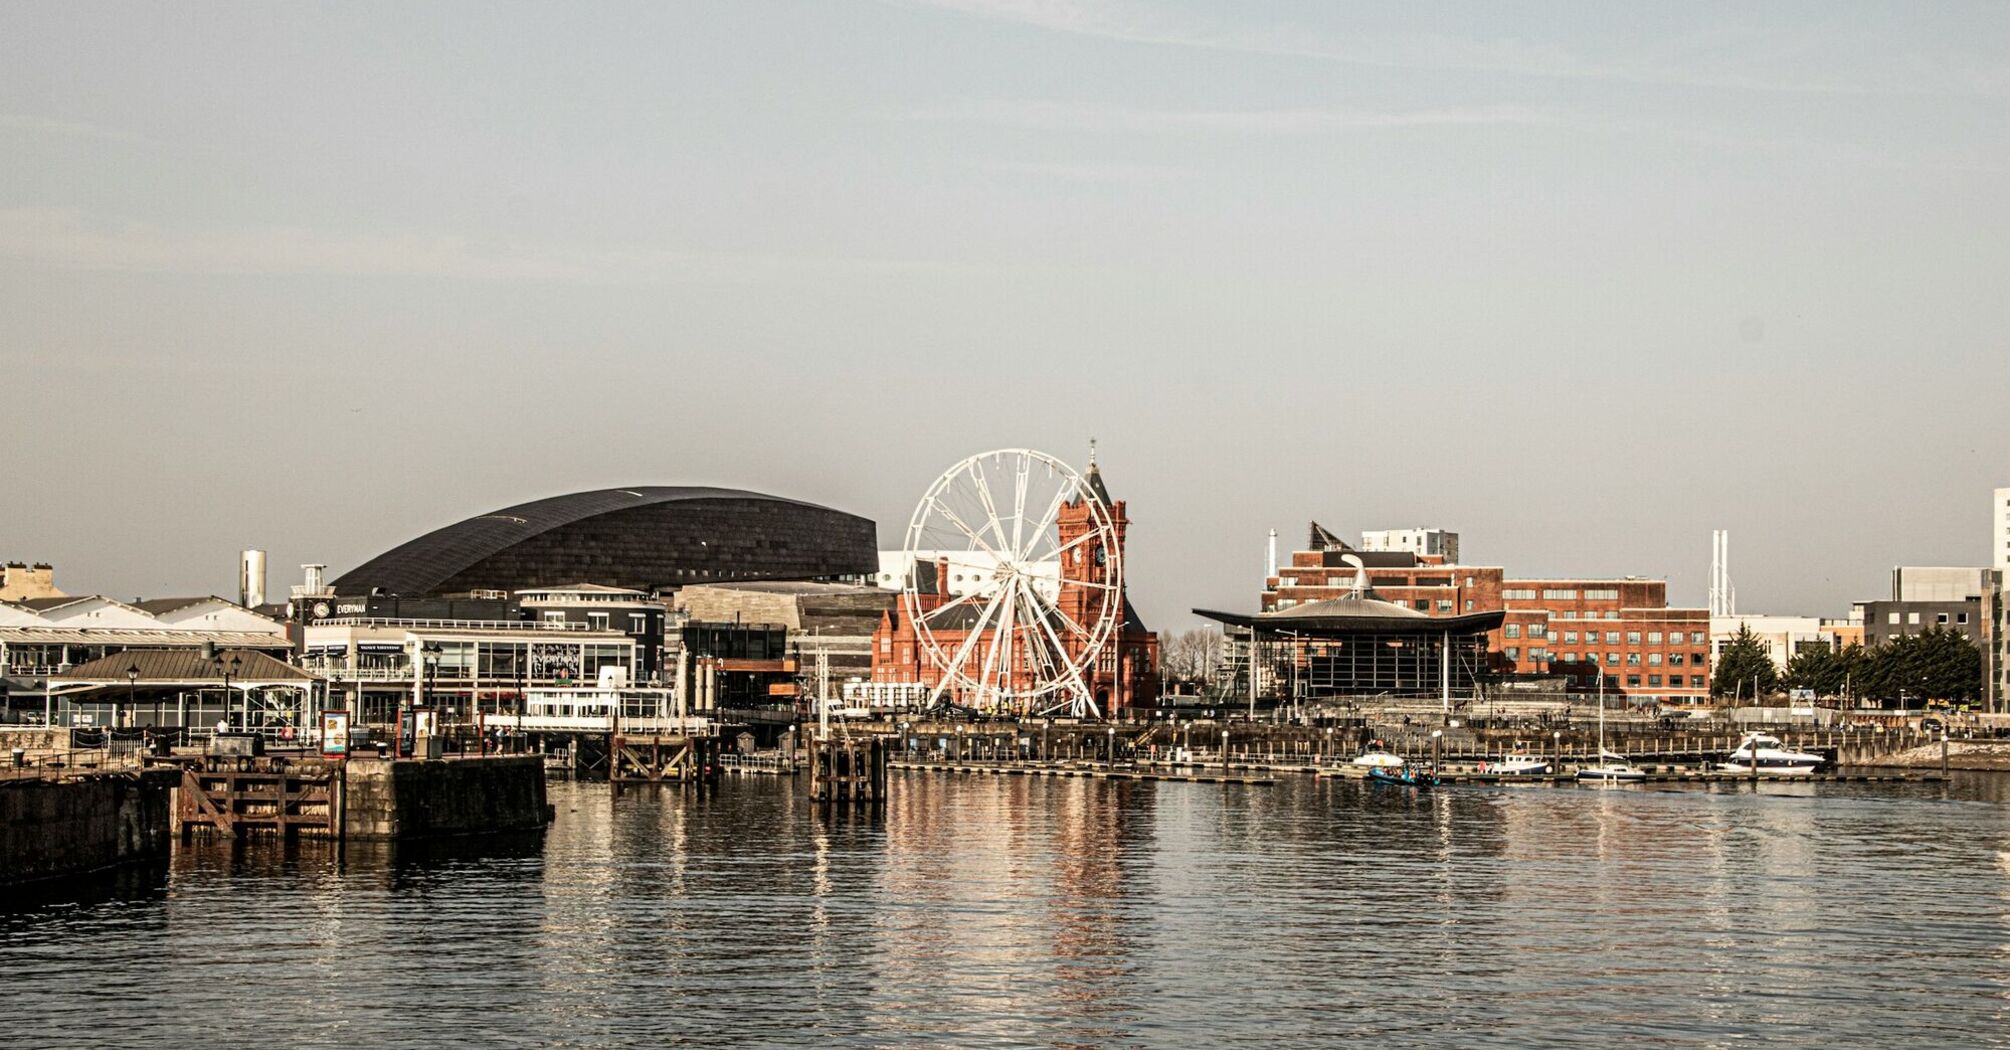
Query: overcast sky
[{"x": 1581, "y": 282}]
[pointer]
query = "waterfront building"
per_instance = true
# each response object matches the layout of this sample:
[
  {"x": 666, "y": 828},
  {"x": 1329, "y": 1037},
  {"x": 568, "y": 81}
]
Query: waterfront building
[
  {"x": 1125, "y": 674},
  {"x": 1437, "y": 543},
  {"x": 1621, "y": 630},
  {"x": 836, "y": 619},
  {"x": 1924, "y": 597},
  {"x": 1352, "y": 647},
  {"x": 44, "y": 637},
  {"x": 964, "y": 571},
  {"x": 651, "y": 539},
  {"x": 373, "y": 665},
  {"x": 1995, "y": 617},
  {"x": 601, "y": 608}
]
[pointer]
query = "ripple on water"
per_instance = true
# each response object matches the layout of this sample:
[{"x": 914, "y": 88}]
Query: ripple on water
[{"x": 1068, "y": 913}]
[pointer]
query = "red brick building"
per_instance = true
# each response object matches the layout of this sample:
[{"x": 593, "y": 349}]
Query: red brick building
[
  {"x": 1124, "y": 675},
  {"x": 1578, "y": 627}
]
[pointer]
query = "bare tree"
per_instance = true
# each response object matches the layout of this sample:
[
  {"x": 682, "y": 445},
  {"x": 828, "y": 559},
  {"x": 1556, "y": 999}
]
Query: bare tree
[{"x": 1189, "y": 660}]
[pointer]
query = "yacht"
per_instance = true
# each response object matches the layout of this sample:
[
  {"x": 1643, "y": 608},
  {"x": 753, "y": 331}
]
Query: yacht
[
  {"x": 1771, "y": 756},
  {"x": 1611, "y": 769}
]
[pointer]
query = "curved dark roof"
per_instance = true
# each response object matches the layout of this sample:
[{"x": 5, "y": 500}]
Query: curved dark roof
[{"x": 645, "y": 537}]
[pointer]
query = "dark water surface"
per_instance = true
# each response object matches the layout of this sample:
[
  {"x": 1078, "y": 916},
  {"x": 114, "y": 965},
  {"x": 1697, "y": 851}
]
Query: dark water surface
[{"x": 1010, "y": 912}]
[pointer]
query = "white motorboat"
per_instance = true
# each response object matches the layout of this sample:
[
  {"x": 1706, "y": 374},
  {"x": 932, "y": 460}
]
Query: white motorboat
[
  {"x": 1517, "y": 766},
  {"x": 1771, "y": 757},
  {"x": 1361, "y": 765}
]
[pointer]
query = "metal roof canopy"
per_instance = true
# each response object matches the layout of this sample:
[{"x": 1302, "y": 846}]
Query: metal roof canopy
[{"x": 182, "y": 669}]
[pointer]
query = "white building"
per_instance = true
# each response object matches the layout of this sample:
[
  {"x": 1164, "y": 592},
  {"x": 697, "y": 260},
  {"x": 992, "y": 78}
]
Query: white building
[
  {"x": 1783, "y": 636},
  {"x": 44, "y": 636},
  {"x": 1999, "y": 547},
  {"x": 1417, "y": 541},
  {"x": 968, "y": 571}
]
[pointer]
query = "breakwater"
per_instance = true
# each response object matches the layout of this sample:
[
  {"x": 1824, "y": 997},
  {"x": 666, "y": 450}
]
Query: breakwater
[
  {"x": 57, "y": 827},
  {"x": 408, "y": 798}
]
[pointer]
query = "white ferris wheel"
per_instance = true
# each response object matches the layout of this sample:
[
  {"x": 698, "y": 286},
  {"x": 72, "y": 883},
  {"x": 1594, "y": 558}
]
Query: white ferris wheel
[{"x": 1034, "y": 594}]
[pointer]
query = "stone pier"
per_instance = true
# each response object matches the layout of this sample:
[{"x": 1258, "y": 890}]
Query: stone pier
[{"x": 414, "y": 798}]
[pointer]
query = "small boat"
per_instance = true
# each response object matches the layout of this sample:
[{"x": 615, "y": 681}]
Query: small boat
[
  {"x": 1361, "y": 765},
  {"x": 1421, "y": 778},
  {"x": 1516, "y": 766},
  {"x": 1771, "y": 756},
  {"x": 1614, "y": 770}
]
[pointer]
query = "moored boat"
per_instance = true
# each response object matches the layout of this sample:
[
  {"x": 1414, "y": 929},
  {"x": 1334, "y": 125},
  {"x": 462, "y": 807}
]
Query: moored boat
[
  {"x": 1516, "y": 766},
  {"x": 1403, "y": 777},
  {"x": 1770, "y": 756}
]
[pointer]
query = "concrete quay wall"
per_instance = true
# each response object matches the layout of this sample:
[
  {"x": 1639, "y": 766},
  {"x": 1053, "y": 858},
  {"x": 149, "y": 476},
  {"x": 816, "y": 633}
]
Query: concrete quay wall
[
  {"x": 70, "y": 826},
  {"x": 413, "y": 798}
]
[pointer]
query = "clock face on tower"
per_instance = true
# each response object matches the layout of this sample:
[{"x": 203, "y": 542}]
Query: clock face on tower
[{"x": 1102, "y": 556}]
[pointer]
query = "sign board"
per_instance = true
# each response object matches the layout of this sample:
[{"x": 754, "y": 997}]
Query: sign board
[{"x": 334, "y": 732}]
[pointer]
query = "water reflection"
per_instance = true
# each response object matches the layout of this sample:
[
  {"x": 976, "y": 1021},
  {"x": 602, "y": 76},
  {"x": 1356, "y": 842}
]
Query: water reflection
[{"x": 1005, "y": 911}]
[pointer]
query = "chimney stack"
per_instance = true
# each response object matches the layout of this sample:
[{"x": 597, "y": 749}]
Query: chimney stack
[{"x": 251, "y": 578}]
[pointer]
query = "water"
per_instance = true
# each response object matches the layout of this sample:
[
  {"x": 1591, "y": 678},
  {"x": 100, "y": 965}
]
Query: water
[{"x": 1063, "y": 913}]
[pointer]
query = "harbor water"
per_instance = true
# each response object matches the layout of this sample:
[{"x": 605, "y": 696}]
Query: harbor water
[{"x": 990, "y": 911}]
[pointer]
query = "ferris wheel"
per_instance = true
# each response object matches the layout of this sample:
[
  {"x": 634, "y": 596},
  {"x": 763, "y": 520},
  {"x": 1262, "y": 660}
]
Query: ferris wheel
[{"x": 1034, "y": 589}]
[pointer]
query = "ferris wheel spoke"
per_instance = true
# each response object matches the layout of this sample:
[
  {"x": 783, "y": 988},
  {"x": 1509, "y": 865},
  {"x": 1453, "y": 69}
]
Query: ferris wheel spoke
[
  {"x": 1001, "y": 637},
  {"x": 1062, "y": 549},
  {"x": 1053, "y": 514},
  {"x": 1019, "y": 504},
  {"x": 1074, "y": 671},
  {"x": 992, "y": 522},
  {"x": 1091, "y": 584},
  {"x": 956, "y": 666},
  {"x": 957, "y": 521}
]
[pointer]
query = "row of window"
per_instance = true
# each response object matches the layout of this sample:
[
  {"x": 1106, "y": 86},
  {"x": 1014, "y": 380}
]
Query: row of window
[
  {"x": 1537, "y": 630},
  {"x": 1513, "y": 652},
  {"x": 1913, "y": 618}
]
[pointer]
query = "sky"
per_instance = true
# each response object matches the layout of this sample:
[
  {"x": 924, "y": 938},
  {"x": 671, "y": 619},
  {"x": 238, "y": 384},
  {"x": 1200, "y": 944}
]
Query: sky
[{"x": 1581, "y": 282}]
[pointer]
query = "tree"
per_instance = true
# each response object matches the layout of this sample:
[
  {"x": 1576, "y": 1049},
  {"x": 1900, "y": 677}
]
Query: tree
[
  {"x": 1745, "y": 668},
  {"x": 1190, "y": 659},
  {"x": 1935, "y": 664},
  {"x": 1819, "y": 670}
]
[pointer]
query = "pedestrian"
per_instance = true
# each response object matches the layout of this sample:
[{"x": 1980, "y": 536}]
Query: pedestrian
[{"x": 222, "y": 726}]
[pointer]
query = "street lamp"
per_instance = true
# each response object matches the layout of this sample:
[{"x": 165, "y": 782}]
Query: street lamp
[
  {"x": 132, "y": 684},
  {"x": 1224, "y": 751},
  {"x": 1110, "y": 753},
  {"x": 1437, "y": 737}
]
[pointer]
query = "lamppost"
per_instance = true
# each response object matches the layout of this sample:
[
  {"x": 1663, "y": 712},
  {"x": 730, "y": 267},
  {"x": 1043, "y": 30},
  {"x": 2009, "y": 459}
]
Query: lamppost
[
  {"x": 1110, "y": 753},
  {"x": 1556, "y": 748},
  {"x": 1437, "y": 740},
  {"x": 1224, "y": 751},
  {"x": 132, "y": 684}
]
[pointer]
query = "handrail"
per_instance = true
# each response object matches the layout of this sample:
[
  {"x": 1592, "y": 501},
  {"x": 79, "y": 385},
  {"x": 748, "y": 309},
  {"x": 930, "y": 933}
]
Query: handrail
[{"x": 482, "y": 625}]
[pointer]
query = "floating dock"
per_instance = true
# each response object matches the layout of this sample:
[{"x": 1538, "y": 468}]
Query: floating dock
[{"x": 1091, "y": 772}]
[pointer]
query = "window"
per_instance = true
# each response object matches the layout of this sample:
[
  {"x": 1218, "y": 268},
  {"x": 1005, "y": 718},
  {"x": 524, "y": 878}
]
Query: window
[
  {"x": 597, "y": 620},
  {"x": 1891, "y": 618},
  {"x": 1960, "y": 617},
  {"x": 1612, "y": 614},
  {"x": 1518, "y": 594},
  {"x": 1695, "y": 637},
  {"x": 1697, "y": 659},
  {"x": 1633, "y": 681},
  {"x": 1612, "y": 637},
  {"x": 1912, "y": 618},
  {"x": 1512, "y": 630},
  {"x": 638, "y": 624},
  {"x": 1570, "y": 637},
  {"x": 1538, "y": 630},
  {"x": 1654, "y": 638},
  {"x": 1695, "y": 681},
  {"x": 1469, "y": 605},
  {"x": 1601, "y": 595},
  {"x": 1444, "y": 605},
  {"x": 1612, "y": 659},
  {"x": 1633, "y": 659},
  {"x": 1674, "y": 659},
  {"x": 554, "y": 617},
  {"x": 1941, "y": 619},
  {"x": 1513, "y": 653},
  {"x": 1653, "y": 659},
  {"x": 1633, "y": 638},
  {"x": 1559, "y": 595},
  {"x": 1653, "y": 681}
]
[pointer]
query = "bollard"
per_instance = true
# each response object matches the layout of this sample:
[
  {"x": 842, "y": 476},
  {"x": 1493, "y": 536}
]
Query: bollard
[{"x": 20, "y": 758}]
